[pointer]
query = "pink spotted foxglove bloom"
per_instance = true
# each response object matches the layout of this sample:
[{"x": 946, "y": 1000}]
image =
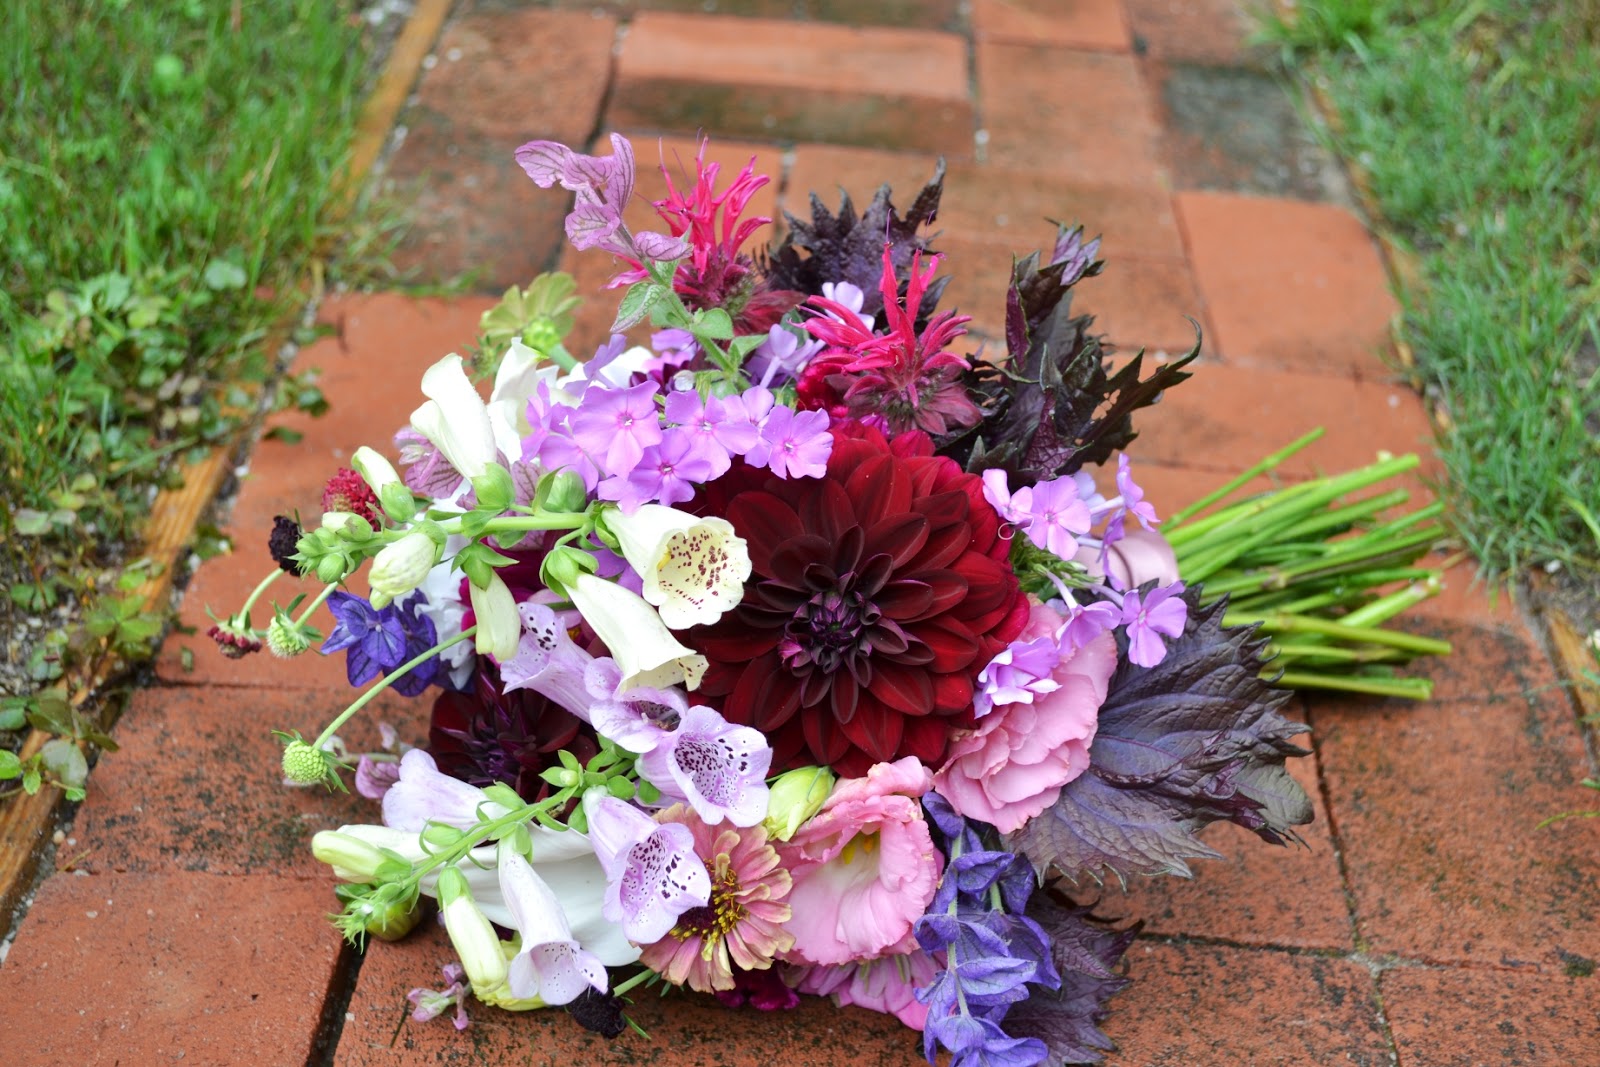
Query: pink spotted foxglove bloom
[
  {"x": 1036, "y": 737},
  {"x": 637, "y": 719},
  {"x": 423, "y": 795},
  {"x": 742, "y": 925},
  {"x": 718, "y": 769},
  {"x": 550, "y": 964},
  {"x": 693, "y": 568},
  {"x": 864, "y": 868},
  {"x": 547, "y": 661},
  {"x": 653, "y": 874}
]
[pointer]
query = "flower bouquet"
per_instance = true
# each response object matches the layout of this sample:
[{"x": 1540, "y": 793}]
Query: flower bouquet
[{"x": 797, "y": 652}]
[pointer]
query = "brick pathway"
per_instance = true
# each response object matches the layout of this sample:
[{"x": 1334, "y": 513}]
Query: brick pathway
[{"x": 1428, "y": 923}]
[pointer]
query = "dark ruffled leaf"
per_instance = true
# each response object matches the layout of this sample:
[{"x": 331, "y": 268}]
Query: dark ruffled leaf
[
  {"x": 849, "y": 248},
  {"x": 1052, "y": 405},
  {"x": 1196, "y": 739},
  {"x": 1086, "y": 951}
]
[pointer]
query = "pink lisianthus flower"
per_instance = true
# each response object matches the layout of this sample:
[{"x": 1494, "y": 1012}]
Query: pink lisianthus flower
[
  {"x": 1012, "y": 765},
  {"x": 864, "y": 868},
  {"x": 887, "y": 984}
]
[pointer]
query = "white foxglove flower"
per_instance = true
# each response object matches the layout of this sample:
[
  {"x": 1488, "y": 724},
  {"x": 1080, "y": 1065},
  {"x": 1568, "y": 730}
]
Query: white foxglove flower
[
  {"x": 426, "y": 795},
  {"x": 643, "y": 647},
  {"x": 565, "y": 860},
  {"x": 550, "y": 963},
  {"x": 401, "y": 566},
  {"x": 455, "y": 419},
  {"x": 374, "y": 469},
  {"x": 693, "y": 569},
  {"x": 499, "y": 625},
  {"x": 514, "y": 385}
]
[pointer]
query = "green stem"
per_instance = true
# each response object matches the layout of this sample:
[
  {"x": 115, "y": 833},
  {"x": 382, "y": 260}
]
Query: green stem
[
  {"x": 1387, "y": 607},
  {"x": 243, "y": 614},
  {"x": 471, "y": 839},
  {"x": 385, "y": 682},
  {"x": 1410, "y": 688},
  {"x": 559, "y": 355},
  {"x": 327, "y": 591},
  {"x": 631, "y": 984},
  {"x": 1265, "y": 465},
  {"x": 1278, "y": 623},
  {"x": 1333, "y": 654}
]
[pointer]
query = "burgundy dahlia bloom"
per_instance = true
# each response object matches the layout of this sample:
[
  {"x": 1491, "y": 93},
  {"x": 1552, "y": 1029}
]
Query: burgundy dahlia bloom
[{"x": 878, "y": 592}]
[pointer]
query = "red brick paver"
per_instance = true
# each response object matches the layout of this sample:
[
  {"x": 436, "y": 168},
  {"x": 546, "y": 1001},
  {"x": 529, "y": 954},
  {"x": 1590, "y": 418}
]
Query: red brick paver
[{"x": 1427, "y": 921}]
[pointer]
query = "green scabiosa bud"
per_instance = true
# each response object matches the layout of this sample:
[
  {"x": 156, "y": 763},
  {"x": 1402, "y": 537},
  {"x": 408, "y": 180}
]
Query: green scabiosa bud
[
  {"x": 796, "y": 796},
  {"x": 387, "y": 912},
  {"x": 285, "y": 638},
  {"x": 304, "y": 763}
]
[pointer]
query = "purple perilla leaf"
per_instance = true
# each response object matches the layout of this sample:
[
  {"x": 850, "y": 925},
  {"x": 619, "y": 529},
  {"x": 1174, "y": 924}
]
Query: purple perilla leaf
[
  {"x": 1196, "y": 739},
  {"x": 1086, "y": 951}
]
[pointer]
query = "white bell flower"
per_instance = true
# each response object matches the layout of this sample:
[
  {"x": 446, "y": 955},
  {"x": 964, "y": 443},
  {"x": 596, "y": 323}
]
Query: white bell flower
[
  {"x": 693, "y": 569},
  {"x": 644, "y": 649},
  {"x": 456, "y": 419}
]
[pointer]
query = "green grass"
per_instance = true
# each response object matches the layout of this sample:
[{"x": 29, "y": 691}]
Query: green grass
[
  {"x": 1478, "y": 125},
  {"x": 165, "y": 170}
]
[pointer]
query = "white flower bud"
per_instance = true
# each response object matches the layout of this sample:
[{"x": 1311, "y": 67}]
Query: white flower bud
[{"x": 403, "y": 564}]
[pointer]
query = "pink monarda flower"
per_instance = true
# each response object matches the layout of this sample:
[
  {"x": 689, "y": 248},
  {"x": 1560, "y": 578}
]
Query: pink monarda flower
[
  {"x": 888, "y": 984},
  {"x": 864, "y": 868},
  {"x": 743, "y": 923},
  {"x": 1012, "y": 765}
]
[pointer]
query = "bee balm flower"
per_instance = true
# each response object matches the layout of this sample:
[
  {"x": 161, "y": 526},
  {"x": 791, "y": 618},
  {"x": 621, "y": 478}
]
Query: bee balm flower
[{"x": 693, "y": 569}]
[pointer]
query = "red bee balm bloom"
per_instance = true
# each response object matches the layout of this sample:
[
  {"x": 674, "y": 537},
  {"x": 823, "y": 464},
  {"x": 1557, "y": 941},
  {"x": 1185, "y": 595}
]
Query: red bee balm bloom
[{"x": 877, "y": 594}]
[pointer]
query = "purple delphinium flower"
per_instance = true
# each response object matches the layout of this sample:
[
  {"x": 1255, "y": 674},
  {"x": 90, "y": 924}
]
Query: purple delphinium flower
[
  {"x": 793, "y": 444},
  {"x": 638, "y": 720},
  {"x": 1020, "y": 672},
  {"x": 653, "y": 874},
  {"x": 430, "y": 1003},
  {"x": 718, "y": 768},
  {"x": 616, "y": 425},
  {"x": 378, "y": 640},
  {"x": 547, "y": 661},
  {"x": 665, "y": 474},
  {"x": 1159, "y": 611}
]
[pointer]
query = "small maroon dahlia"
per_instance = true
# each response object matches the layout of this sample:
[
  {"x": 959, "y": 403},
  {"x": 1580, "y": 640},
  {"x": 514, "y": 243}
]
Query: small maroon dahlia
[{"x": 877, "y": 594}]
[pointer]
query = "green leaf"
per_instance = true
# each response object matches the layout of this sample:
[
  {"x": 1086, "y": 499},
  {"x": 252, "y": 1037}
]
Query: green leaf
[
  {"x": 636, "y": 304},
  {"x": 713, "y": 323},
  {"x": 224, "y": 274},
  {"x": 51, "y": 713},
  {"x": 13, "y": 713},
  {"x": 10, "y": 765},
  {"x": 65, "y": 762},
  {"x": 284, "y": 434},
  {"x": 30, "y": 523},
  {"x": 31, "y": 780}
]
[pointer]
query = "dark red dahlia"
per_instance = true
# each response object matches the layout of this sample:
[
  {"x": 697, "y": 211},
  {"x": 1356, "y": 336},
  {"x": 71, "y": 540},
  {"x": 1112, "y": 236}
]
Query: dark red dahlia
[
  {"x": 487, "y": 735},
  {"x": 877, "y": 594}
]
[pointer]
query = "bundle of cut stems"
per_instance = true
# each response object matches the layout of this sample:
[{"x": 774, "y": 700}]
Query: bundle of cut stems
[{"x": 1321, "y": 568}]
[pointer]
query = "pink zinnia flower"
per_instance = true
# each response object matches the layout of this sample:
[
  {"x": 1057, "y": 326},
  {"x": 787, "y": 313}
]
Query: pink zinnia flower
[
  {"x": 1013, "y": 764},
  {"x": 743, "y": 923},
  {"x": 864, "y": 868}
]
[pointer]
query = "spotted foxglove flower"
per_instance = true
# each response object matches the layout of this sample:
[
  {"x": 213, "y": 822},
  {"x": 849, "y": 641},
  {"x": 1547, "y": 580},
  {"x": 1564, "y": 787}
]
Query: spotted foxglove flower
[
  {"x": 640, "y": 642},
  {"x": 638, "y": 719},
  {"x": 548, "y": 662},
  {"x": 720, "y": 770},
  {"x": 550, "y": 964},
  {"x": 694, "y": 569},
  {"x": 652, "y": 872},
  {"x": 424, "y": 795},
  {"x": 455, "y": 418}
]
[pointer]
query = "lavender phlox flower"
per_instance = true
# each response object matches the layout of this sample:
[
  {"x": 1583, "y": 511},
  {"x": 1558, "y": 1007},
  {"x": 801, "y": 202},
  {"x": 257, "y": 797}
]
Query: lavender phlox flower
[
  {"x": 549, "y": 441},
  {"x": 794, "y": 444},
  {"x": 429, "y": 1004},
  {"x": 782, "y": 356},
  {"x": 718, "y": 768},
  {"x": 547, "y": 661},
  {"x": 849, "y": 296},
  {"x": 665, "y": 474},
  {"x": 615, "y": 426},
  {"x": 377, "y": 640},
  {"x": 1015, "y": 508},
  {"x": 1133, "y": 501},
  {"x": 549, "y": 964},
  {"x": 653, "y": 874},
  {"x": 1017, "y": 674},
  {"x": 1157, "y": 612},
  {"x": 425, "y": 795},
  {"x": 1057, "y": 516},
  {"x": 716, "y": 432},
  {"x": 673, "y": 347},
  {"x": 637, "y": 720}
]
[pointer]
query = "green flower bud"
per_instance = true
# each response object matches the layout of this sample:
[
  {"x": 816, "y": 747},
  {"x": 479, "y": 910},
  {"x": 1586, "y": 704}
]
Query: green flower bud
[
  {"x": 402, "y": 565},
  {"x": 566, "y": 492},
  {"x": 331, "y": 568},
  {"x": 474, "y": 939},
  {"x": 304, "y": 763},
  {"x": 349, "y": 856},
  {"x": 377, "y": 471},
  {"x": 284, "y": 638},
  {"x": 389, "y": 912},
  {"x": 494, "y": 488},
  {"x": 398, "y": 503},
  {"x": 796, "y": 796},
  {"x": 562, "y": 566},
  {"x": 347, "y": 527}
]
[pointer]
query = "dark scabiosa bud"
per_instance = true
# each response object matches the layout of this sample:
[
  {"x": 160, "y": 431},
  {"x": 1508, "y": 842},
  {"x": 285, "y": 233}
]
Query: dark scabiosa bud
[
  {"x": 234, "y": 642},
  {"x": 282, "y": 542},
  {"x": 600, "y": 1012},
  {"x": 348, "y": 491}
]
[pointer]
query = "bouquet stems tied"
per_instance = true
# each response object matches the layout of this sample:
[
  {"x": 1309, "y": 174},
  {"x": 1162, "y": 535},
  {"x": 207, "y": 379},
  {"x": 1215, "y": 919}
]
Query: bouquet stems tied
[{"x": 1320, "y": 566}]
